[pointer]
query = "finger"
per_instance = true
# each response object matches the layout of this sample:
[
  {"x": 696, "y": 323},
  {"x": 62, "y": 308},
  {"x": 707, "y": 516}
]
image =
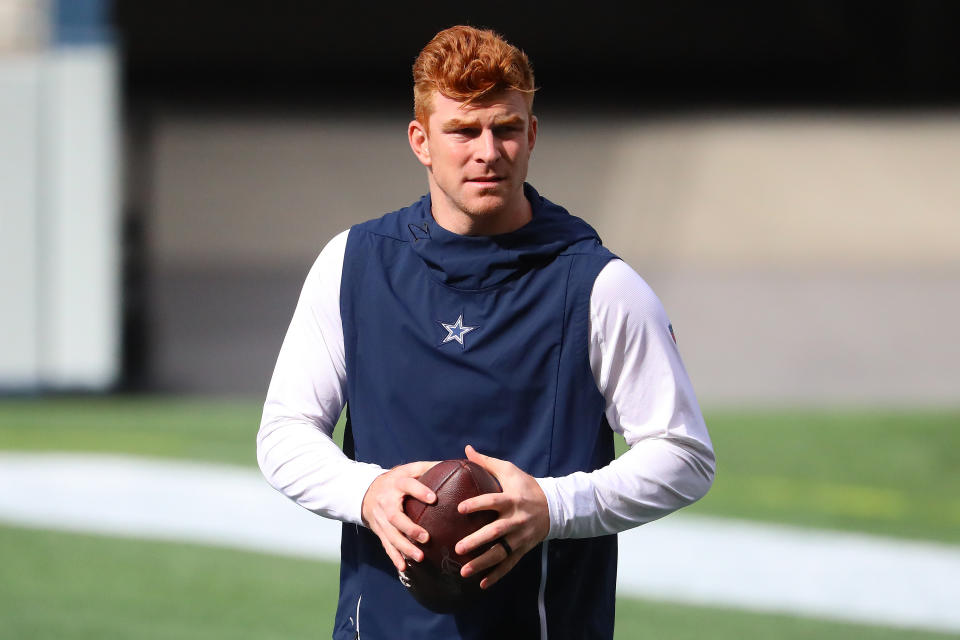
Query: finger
[
  {"x": 485, "y": 502},
  {"x": 402, "y": 543},
  {"x": 492, "y": 556},
  {"x": 402, "y": 523},
  {"x": 390, "y": 534},
  {"x": 395, "y": 556},
  {"x": 484, "y": 535},
  {"x": 415, "y": 488},
  {"x": 475, "y": 456},
  {"x": 500, "y": 570},
  {"x": 414, "y": 469},
  {"x": 496, "y": 466}
]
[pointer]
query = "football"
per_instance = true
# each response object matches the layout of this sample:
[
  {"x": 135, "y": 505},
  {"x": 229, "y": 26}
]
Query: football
[{"x": 435, "y": 582}]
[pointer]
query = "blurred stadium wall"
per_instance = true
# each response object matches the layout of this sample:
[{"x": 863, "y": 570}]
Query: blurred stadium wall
[
  {"x": 59, "y": 201},
  {"x": 803, "y": 257},
  {"x": 782, "y": 174}
]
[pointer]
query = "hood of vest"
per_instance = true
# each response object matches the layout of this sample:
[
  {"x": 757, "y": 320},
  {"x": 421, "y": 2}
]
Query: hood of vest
[{"x": 481, "y": 262}]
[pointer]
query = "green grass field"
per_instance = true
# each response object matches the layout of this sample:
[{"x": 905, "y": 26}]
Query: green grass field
[
  {"x": 889, "y": 473},
  {"x": 65, "y": 586},
  {"x": 895, "y": 473}
]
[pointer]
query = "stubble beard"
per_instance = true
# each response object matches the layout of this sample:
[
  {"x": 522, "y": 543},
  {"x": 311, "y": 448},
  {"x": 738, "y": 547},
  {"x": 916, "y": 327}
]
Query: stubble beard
[
  {"x": 487, "y": 204},
  {"x": 491, "y": 201},
  {"x": 486, "y": 207}
]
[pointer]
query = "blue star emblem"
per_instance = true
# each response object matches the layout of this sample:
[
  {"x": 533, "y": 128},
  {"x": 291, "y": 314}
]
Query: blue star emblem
[{"x": 456, "y": 331}]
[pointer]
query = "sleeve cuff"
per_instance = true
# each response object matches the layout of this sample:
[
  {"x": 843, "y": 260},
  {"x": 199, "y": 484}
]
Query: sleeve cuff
[
  {"x": 554, "y": 504},
  {"x": 359, "y": 480}
]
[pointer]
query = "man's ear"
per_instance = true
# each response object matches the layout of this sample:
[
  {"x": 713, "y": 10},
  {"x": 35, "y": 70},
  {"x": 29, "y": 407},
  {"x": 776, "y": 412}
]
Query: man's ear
[{"x": 419, "y": 142}]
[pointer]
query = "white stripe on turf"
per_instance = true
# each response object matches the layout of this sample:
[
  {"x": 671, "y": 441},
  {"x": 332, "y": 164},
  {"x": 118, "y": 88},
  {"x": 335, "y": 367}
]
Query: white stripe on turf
[
  {"x": 810, "y": 572},
  {"x": 727, "y": 563}
]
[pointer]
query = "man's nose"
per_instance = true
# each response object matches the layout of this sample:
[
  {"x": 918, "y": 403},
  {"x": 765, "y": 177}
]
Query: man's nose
[{"x": 488, "y": 150}]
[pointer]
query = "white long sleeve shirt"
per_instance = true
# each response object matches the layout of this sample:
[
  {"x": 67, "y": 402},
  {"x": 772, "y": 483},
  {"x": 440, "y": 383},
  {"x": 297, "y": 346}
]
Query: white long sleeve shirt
[{"x": 636, "y": 366}]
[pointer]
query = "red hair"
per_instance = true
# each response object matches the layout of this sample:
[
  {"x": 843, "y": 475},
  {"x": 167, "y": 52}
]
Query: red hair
[{"x": 468, "y": 64}]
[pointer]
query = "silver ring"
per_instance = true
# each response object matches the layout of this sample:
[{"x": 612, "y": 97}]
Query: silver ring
[{"x": 506, "y": 547}]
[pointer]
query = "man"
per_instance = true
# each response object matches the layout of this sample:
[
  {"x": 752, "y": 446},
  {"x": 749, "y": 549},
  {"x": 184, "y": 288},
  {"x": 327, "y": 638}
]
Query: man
[{"x": 483, "y": 320}]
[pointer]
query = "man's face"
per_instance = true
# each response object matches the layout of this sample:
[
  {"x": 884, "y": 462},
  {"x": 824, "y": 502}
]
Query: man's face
[{"x": 477, "y": 156}]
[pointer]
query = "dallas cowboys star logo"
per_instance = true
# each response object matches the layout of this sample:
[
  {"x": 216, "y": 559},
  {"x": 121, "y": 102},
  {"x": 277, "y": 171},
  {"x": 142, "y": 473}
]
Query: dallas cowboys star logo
[{"x": 456, "y": 331}]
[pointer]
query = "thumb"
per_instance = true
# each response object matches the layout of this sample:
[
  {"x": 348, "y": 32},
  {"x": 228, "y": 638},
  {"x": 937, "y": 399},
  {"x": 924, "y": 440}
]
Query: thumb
[
  {"x": 493, "y": 465},
  {"x": 416, "y": 469}
]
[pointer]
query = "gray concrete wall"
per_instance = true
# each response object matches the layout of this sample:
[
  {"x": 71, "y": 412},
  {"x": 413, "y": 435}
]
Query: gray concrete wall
[{"x": 803, "y": 258}]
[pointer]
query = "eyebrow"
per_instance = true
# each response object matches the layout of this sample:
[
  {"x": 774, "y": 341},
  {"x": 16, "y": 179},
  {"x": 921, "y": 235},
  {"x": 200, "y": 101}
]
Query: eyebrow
[
  {"x": 508, "y": 121},
  {"x": 454, "y": 124}
]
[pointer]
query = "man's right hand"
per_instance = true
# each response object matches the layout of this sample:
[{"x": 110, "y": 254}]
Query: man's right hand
[{"x": 382, "y": 511}]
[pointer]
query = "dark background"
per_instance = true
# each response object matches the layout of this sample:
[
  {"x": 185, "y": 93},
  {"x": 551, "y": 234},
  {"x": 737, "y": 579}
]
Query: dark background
[
  {"x": 649, "y": 53},
  {"x": 275, "y": 59}
]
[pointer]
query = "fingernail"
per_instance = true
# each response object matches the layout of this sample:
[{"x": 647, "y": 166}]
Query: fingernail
[
  {"x": 466, "y": 571},
  {"x": 431, "y": 497},
  {"x": 423, "y": 537}
]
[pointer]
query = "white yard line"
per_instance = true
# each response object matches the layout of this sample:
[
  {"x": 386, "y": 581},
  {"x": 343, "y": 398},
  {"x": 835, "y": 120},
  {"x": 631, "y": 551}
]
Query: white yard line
[{"x": 699, "y": 560}]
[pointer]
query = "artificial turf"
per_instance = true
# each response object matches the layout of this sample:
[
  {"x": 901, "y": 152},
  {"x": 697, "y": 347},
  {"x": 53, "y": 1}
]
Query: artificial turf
[
  {"x": 895, "y": 473},
  {"x": 65, "y": 586}
]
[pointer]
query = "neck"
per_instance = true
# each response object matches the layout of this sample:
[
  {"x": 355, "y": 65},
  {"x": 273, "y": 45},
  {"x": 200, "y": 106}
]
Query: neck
[{"x": 448, "y": 215}]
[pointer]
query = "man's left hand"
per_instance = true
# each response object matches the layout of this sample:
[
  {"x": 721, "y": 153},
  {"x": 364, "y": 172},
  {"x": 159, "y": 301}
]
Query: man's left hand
[{"x": 524, "y": 519}]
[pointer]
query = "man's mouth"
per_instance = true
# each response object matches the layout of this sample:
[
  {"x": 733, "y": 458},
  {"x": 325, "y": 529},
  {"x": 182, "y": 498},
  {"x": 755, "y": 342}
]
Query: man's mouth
[{"x": 486, "y": 179}]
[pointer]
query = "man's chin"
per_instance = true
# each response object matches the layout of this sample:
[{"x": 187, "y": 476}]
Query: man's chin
[
  {"x": 494, "y": 194},
  {"x": 485, "y": 205}
]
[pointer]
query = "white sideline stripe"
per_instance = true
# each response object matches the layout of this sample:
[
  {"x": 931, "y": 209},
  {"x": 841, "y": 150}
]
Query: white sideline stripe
[
  {"x": 822, "y": 574},
  {"x": 160, "y": 499},
  {"x": 688, "y": 559}
]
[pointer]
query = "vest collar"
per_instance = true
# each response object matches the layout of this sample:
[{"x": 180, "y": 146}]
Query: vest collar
[{"x": 480, "y": 262}]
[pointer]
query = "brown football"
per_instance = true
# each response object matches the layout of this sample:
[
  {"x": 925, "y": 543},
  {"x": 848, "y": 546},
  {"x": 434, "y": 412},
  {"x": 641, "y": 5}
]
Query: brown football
[{"x": 435, "y": 582}]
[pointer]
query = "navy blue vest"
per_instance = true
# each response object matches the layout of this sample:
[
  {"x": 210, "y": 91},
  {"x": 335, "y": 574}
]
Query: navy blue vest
[{"x": 453, "y": 340}]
